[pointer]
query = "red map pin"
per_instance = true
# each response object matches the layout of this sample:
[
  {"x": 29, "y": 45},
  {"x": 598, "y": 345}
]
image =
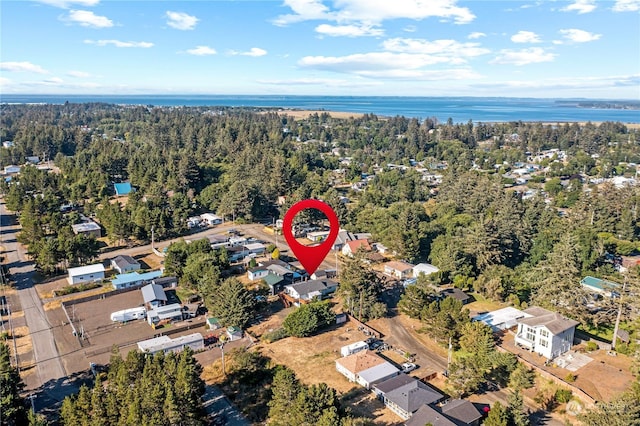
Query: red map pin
[{"x": 310, "y": 257}]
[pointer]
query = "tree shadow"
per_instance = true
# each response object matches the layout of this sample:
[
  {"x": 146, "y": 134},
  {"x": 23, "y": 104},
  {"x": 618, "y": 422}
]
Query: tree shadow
[{"x": 47, "y": 399}]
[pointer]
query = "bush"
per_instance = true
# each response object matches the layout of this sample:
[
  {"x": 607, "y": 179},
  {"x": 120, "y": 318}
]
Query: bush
[
  {"x": 275, "y": 335},
  {"x": 570, "y": 378},
  {"x": 76, "y": 288},
  {"x": 563, "y": 395},
  {"x": 592, "y": 346}
]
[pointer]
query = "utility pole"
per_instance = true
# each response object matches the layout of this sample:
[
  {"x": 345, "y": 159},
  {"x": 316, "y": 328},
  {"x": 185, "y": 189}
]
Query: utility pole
[{"x": 224, "y": 373}]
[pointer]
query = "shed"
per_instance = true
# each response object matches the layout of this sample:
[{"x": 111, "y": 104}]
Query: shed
[
  {"x": 211, "y": 219},
  {"x": 234, "y": 333},
  {"x": 213, "y": 323},
  {"x": 85, "y": 274},
  {"x": 165, "y": 344},
  {"x": 169, "y": 312}
]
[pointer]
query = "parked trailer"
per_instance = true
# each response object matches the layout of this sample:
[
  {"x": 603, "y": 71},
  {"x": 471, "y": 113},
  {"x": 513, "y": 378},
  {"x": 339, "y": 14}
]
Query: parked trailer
[
  {"x": 353, "y": 348},
  {"x": 129, "y": 314}
]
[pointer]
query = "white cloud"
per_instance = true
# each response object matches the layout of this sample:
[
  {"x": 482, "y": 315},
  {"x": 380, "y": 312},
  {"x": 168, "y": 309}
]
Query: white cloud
[
  {"x": 22, "y": 67},
  {"x": 410, "y": 29},
  {"x": 580, "y": 6},
  {"x": 181, "y": 20},
  {"x": 374, "y": 11},
  {"x": 202, "y": 51},
  {"x": 87, "y": 18},
  {"x": 565, "y": 83},
  {"x": 579, "y": 36},
  {"x": 525, "y": 37},
  {"x": 626, "y": 6},
  {"x": 348, "y": 30},
  {"x": 254, "y": 51},
  {"x": 79, "y": 74},
  {"x": 118, "y": 43},
  {"x": 323, "y": 82},
  {"x": 476, "y": 35},
  {"x": 5, "y": 81},
  {"x": 65, "y": 4},
  {"x": 523, "y": 56},
  {"x": 53, "y": 80},
  {"x": 451, "y": 49}
]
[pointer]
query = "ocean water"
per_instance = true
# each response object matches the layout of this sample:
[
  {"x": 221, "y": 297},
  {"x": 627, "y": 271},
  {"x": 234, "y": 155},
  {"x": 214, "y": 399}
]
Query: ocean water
[{"x": 459, "y": 109}]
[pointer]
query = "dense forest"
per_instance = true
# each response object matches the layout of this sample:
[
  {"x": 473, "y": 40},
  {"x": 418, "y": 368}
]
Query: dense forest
[{"x": 471, "y": 222}]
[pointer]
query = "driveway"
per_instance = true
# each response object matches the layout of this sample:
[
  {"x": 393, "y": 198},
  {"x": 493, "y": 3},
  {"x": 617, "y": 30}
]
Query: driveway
[{"x": 220, "y": 410}]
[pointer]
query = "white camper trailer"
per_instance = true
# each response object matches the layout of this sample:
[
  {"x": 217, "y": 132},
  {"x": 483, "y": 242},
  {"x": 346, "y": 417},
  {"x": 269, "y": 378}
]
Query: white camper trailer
[{"x": 129, "y": 314}]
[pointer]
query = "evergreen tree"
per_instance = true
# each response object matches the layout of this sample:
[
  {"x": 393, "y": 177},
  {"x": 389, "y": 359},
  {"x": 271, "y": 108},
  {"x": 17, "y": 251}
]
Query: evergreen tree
[
  {"x": 12, "y": 405},
  {"x": 233, "y": 304}
]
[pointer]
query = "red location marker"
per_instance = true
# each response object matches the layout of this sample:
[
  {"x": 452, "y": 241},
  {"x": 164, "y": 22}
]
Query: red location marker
[{"x": 310, "y": 257}]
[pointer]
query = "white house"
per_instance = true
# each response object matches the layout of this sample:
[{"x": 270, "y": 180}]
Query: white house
[
  {"x": 424, "y": 268},
  {"x": 166, "y": 344},
  {"x": 398, "y": 269},
  {"x": 211, "y": 219},
  {"x": 255, "y": 248},
  {"x": 351, "y": 247},
  {"x": 89, "y": 228},
  {"x": 365, "y": 368},
  {"x": 599, "y": 286},
  {"x": 257, "y": 273},
  {"x": 308, "y": 290},
  {"x": 124, "y": 264},
  {"x": 546, "y": 333},
  {"x": 84, "y": 274},
  {"x": 353, "y": 348}
]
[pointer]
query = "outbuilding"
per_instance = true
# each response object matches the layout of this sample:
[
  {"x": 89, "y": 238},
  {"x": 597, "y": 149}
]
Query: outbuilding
[
  {"x": 353, "y": 348},
  {"x": 84, "y": 274}
]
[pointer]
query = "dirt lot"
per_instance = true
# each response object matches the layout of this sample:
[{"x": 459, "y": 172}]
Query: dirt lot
[
  {"x": 603, "y": 378},
  {"x": 313, "y": 360}
]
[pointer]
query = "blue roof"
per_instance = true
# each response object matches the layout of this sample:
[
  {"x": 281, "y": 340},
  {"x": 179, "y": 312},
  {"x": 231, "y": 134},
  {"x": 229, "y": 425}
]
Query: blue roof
[
  {"x": 597, "y": 283},
  {"x": 123, "y": 188},
  {"x": 131, "y": 277}
]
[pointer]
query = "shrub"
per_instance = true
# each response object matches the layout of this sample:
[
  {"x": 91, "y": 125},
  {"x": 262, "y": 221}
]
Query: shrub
[
  {"x": 275, "y": 335},
  {"x": 563, "y": 395},
  {"x": 592, "y": 346},
  {"x": 570, "y": 378}
]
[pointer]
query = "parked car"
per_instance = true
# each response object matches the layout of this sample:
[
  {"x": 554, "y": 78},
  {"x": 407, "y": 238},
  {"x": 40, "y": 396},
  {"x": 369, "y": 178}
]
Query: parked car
[{"x": 408, "y": 367}]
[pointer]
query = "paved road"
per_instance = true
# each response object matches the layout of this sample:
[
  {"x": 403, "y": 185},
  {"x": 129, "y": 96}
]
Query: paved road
[{"x": 48, "y": 363}]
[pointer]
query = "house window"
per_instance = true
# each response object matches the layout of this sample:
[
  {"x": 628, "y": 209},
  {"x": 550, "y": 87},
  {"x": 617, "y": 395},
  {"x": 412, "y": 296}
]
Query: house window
[
  {"x": 531, "y": 334},
  {"x": 544, "y": 343},
  {"x": 544, "y": 333}
]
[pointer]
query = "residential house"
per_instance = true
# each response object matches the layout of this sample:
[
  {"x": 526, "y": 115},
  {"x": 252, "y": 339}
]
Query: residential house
[
  {"x": 398, "y": 269},
  {"x": 501, "y": 319},
  {"x": 211, "y": 219},
  {"x": 317, "y": 236},
  {"x": 171, "y": 312},
  {"x": 89, "y": 228},
  {"x": 600, "y": 287},
  {"x": 456, "y": 412},
  {"x": 33, "y": 159},
  {"x": 274, "y": 282},
  {"x": 366, "y": 368},
  {"x": 351, "y": 247},
  {"x": 11, "y": 169},
  {"x": 124, "y": 264},
  {"x": 456, "y": 293},
  {"x": 166, "y": 344},
  {"x": 257, "y": 273},
  {"x": 255, "y": 248},
  {"x": 84, "y": 274},
  {"x": 404, "y": 394},
  {"x": 154, "y": 295},
  {"x": 213, "y": 323},
  {"x": 546, "y": 333},
  {"x": 123, "y": 188},
  {"x": 133, "y": 279},
  {"x": 424, "y": 268},
  {"x": 309, "y": 290},
  {"x": 166, "y": 282}
]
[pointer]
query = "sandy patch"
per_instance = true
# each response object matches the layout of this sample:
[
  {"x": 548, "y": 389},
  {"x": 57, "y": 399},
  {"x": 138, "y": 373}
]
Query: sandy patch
[{"x": 302, "y": 114}]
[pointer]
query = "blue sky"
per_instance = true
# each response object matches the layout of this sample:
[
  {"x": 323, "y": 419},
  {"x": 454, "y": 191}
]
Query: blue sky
[{"x": 576, "y": 48}]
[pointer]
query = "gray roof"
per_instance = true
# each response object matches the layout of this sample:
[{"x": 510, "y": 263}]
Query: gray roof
[
  {"x": 125, "y": 260},
  {"x": 311, "y": 286},
  {"x": 151, "y": 292},
  {"x": 456, "y": 293},
  {"x": 428, "y": 415},
  {"x": 279, "y": 270},
  {"x": 408, "y": 393},
  {"x": 553, "y": 321},
  {"x": 462, "y": 410},
  {"x": 165, "y": 281}
]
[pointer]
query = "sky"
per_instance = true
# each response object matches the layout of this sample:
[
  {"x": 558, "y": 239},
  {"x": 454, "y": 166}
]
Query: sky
[{"x": 541, "y": 49}]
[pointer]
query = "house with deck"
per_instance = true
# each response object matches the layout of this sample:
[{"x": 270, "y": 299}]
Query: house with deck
[
  {"x": 404, "y": 395},
  {"x": 366, "y": 368},
  {"x": 545, "y": 332},
  {"x": 312, "y": 289}
]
